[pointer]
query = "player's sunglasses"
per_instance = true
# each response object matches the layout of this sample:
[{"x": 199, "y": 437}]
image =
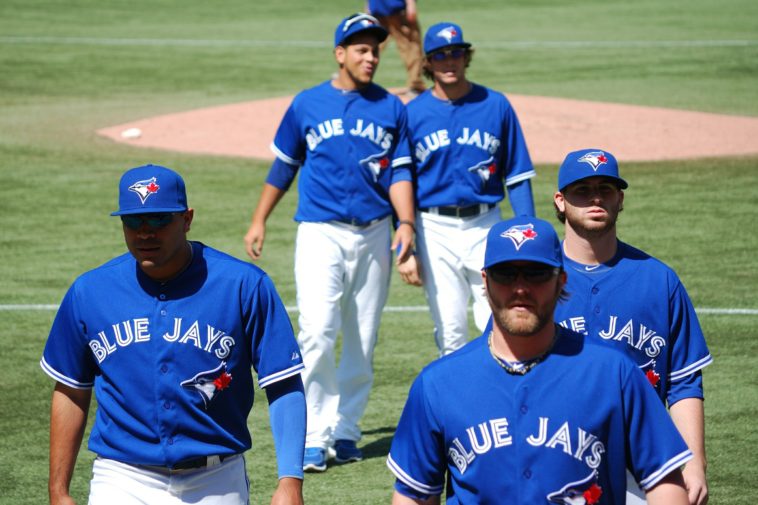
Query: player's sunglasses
[
  {"x": 532, "y": 274},
  {"x": 135, "y": 221},
  {"x": 447, "y": 53}
]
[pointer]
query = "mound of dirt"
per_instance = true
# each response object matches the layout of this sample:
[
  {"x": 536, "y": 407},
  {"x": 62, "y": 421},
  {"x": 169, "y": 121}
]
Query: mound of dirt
[{"x": 552, "y": 126}]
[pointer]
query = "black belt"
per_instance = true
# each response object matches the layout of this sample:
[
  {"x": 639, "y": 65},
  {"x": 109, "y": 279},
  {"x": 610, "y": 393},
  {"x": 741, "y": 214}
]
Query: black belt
[
  {"x": 190, "y": 464},
  {"x": 358, "y": 223},
  {"x": 469, "y": 211}
]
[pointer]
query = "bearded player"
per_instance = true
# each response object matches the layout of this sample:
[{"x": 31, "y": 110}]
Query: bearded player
[
  {"x": 624, "y": 297},
  {"x": 532, "y": 412}
]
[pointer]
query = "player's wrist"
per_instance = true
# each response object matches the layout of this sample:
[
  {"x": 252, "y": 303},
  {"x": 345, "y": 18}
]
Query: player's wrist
[{"x": 407, "y": 222}]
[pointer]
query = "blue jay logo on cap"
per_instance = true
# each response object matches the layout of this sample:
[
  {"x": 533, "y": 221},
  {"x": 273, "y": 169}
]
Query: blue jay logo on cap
[
  {"x": 145, "y": 188},
  {"x": 448, "y": 33},
  {"x": 581, "y": 492},
  {"x": 520, "y": 234},
  {"x": 208, "y": 383},
  {"x": 594, "y": 159}
]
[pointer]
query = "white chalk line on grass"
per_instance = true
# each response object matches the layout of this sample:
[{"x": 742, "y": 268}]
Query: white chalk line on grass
[
  {"x": 400, "y": 308},
  {"x": 493, "y": 44}
]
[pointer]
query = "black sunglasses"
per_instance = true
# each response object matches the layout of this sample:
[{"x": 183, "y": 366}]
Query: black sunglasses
[
  {"x": 507, "y": 274},
  {"x": 135, "y": 221},
  {"x": 447, "y": 53}
]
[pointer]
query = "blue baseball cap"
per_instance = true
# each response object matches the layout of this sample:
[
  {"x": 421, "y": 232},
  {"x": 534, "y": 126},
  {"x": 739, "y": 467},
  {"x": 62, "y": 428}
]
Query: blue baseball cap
[
  {"x": 443, "y": 35},
  {"x": 586, "y": 163},
  {"x": 150, "y": 189},
  {"x": 358, "y": 23},
  {"x": 523, "y": 238}
]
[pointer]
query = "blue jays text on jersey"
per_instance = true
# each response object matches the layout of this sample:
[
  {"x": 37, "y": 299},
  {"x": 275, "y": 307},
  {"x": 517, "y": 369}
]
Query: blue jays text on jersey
[
  {"x": 568, "y": 426},
  {"x": 638, "y": 304},
  {"x": 184, "y": 348},
  {"x": 350, "y": 147},
  {"x": 465, "y": 149}
]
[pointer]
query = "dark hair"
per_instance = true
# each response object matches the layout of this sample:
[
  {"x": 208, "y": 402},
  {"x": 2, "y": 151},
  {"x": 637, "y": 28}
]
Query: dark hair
[{"x": 427, "y": 67}]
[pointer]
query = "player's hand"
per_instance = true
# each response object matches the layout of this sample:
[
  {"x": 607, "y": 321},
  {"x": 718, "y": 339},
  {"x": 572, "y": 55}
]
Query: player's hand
[
  {"x": 288, "y": 492},
  {"x": 403, "y": 243},
  {"x": 410, "y": 271},
  {"x": 254, "y": 240},
  {"x": 62, "y": 500},
  {"x": 696, "y": 484}
]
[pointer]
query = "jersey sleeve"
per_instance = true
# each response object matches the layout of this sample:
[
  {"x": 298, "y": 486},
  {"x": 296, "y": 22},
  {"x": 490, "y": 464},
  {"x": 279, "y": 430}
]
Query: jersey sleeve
[
  {"x": 67, "y": 357},
  {"x": 690, "y": 386},
  {"x": 289, "y": 142},
  {"x": 516, "y": 160},
  {"x": 417, "y": 455},
  {"x": 275, "y": 353},
  {"x": 655, "y": 447},
  {"x": 281, "y": 174},
  {"x": 402, "y": 161},
  {"x": 689, "y": 352}
]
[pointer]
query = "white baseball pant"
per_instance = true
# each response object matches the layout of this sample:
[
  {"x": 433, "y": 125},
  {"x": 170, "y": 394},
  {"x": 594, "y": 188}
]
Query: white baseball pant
[
  {"x": 451, "y": 252},
  {"x": 342, "y": 276},
  {"x": 116, "y": 483}
]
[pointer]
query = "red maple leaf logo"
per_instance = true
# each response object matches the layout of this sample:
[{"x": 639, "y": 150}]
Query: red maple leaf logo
[
  {"x": 530, "y": 233},
  {"x": 384, "y": 163},
  {"x": 653, "y": 377},
  {"x": 152, "y": 187},
  {"x": 593, "y": 494},
  {"x": 602, "y": 158},
  {"x": 492, "y": 168},
  {"x": 222, "y": 381}
]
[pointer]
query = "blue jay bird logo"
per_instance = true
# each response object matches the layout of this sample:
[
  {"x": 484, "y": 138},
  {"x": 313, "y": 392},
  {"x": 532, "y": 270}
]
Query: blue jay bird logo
[
  {"x": 594, "y": 159},
  {"x": 520, "y": 234},
  {"x": 581, "y": 492},
  {"x": 209, "y": 383},
  {"x": 484, "y": 169},
  {"x": 145, "y": 188},
  {"x": 448, "y": 33}
]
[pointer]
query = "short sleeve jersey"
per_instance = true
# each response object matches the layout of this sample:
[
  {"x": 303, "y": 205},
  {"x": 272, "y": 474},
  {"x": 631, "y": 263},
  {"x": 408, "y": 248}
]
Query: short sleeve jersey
[
  {"x": 637, "y": 304},
  {"x": 171, "y": 362},
  {"x": 465, "y": 150},
  {"x": 350, "y": 147},
  {"x": 568, "y": 428}
]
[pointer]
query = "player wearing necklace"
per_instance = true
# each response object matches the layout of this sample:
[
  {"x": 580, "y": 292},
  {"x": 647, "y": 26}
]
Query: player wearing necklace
[{"x": 558, "y": 429}]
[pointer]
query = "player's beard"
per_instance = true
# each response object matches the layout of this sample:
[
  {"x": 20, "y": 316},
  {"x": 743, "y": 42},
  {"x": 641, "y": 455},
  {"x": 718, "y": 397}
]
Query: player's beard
[
  {"x": 588, "y": 227},
  {"x": 523, "y": 323}
]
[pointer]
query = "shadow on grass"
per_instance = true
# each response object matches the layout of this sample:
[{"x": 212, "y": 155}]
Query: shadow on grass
[{"x": 380, "y": 447}]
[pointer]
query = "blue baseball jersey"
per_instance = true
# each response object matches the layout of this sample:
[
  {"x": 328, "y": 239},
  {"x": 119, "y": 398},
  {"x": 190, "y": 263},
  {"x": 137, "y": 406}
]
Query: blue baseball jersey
[
  {"x": 566, "y": 429},
  {"x": 350, "y": 147},
  {"x": 638, "y": 304},
  {"x": 171, "y": 362},
  {"x": 464, "y": 150}
]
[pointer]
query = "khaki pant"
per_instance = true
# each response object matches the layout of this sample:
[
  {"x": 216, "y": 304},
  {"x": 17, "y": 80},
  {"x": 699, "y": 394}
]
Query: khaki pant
[{"x": 407, "y": 37}]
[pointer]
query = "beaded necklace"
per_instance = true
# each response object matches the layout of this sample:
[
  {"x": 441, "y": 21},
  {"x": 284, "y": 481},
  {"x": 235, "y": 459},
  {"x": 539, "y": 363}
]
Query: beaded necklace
[{"x": 520, "y": 367}]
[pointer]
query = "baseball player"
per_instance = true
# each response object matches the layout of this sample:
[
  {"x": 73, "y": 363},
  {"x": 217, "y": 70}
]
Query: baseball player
[
  {"x": 526, "y": 413},
  {"x": 624, "y": 297},
  {"x": 166, "y": 335},
  {"x": 400, "y": 19},
  {"x": 467, "y": 144},
  {"x": 347, "y": 138}
]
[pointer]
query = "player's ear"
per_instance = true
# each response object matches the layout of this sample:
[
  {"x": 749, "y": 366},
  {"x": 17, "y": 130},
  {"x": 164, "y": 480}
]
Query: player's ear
[
  {"x": 339, "y": 54},
  {"x": 187, "y": 216},
  {"x": 559, "y": 201}
]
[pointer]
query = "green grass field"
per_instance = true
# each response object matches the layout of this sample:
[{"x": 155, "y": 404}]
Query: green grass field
[{"x": 68, "y": 68}]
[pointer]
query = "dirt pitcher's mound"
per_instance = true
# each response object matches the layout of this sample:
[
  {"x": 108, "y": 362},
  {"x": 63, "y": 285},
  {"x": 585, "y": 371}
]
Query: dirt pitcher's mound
[{"x": 553, "y": 127}]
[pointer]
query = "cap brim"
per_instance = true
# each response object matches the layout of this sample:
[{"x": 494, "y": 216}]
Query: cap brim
[
  {"x": 152, "y": 210},
  {"x": 534, "y": 259},
  {"x": 464, "y": 45}
]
